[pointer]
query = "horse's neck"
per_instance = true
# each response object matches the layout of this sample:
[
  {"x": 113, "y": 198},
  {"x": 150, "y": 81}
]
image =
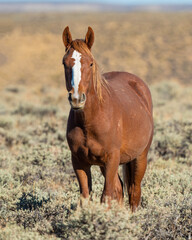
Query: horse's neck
[
  {"x": 92, "y": 109},
  {"x": 94, "y": 103}
]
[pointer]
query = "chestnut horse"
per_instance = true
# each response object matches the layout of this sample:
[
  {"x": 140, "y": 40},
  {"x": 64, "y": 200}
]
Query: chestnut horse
[{"x": 110, "y": 122}]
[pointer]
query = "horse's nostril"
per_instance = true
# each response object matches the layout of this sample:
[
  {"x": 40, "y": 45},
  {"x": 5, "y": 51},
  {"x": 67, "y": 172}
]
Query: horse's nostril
[{"x": 70, "y": 97}]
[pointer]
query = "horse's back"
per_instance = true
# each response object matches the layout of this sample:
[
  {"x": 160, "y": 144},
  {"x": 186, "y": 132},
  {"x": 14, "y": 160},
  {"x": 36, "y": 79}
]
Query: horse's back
[{"x": 119, "y": 80}]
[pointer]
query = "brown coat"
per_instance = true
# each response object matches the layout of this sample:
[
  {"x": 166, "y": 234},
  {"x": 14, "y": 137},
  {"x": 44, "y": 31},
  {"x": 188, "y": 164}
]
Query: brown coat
[{"x": 109, "y": 124}]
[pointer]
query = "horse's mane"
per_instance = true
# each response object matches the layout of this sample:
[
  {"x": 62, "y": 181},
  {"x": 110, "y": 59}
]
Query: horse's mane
[{"x": 98, "y": 80}]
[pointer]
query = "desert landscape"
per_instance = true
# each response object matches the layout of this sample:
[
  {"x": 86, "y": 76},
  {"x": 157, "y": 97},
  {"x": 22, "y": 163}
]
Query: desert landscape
[{"x": 39, "y": 193}]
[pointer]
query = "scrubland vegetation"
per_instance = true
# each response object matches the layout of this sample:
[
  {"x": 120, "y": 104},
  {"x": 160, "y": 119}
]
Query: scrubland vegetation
[{"x": 39, "y": 193}]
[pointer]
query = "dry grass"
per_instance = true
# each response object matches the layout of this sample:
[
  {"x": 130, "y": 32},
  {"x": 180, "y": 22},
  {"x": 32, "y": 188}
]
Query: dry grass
[{"x": 38, "y": 189}]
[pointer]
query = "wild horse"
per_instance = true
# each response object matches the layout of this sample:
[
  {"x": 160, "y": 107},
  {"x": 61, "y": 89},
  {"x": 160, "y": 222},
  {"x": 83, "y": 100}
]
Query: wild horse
[{"x": 110, "y": 122}]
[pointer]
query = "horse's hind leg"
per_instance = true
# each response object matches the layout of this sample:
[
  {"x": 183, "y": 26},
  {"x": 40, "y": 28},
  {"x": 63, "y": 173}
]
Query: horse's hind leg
[{"x": 133, "y": 175}]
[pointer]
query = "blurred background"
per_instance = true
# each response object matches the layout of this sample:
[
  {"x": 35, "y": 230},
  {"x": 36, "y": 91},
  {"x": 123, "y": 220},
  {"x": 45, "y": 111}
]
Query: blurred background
[{"x": 151, "y": 39}]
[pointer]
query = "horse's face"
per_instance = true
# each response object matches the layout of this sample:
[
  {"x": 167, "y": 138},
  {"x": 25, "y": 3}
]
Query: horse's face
[
  {"x": 78, "y": 75},
  {"x": 78, "y": 69}
]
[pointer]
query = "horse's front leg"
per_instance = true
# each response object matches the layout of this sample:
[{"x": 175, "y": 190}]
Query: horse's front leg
[
  {"x": 113, "y": 187},
  {"x": 83, "y": 173}
]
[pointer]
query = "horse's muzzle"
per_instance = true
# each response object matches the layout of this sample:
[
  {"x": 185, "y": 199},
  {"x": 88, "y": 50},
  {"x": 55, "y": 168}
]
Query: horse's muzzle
[{"x": 77, "y": 103}]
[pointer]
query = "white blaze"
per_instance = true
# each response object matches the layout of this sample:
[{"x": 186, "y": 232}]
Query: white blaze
[{"x": 76, "y": 73}]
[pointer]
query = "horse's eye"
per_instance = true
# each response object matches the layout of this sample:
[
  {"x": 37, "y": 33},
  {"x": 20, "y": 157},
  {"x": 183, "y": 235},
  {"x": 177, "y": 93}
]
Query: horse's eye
[{"x": 91, "y": 64}]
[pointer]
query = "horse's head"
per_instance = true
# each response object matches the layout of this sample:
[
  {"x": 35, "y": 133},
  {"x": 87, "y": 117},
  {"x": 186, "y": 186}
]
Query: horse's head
[{"x": 78, "y": 63}]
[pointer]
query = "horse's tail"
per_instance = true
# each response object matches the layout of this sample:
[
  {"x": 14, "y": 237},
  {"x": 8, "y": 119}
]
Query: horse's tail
[{"x": 126, "y": 176}]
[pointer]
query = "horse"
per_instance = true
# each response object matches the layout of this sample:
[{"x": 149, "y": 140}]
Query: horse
[{"x": 110, "y": 122}]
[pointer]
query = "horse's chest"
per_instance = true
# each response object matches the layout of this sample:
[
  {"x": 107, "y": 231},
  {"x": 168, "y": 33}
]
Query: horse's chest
[{"x": 85, "y": 147}]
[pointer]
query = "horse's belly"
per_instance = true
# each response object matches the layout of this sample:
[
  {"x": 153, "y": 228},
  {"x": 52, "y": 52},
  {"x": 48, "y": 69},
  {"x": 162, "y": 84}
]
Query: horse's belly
[
  {"x": 135, "y": 138},
  {"x": 129, "y": 154},
  {"x": 125, "y": 157}
]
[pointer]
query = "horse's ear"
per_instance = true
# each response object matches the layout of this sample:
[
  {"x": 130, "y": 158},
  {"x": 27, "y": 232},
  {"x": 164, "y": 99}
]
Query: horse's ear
[
  {"x": 89, "y": 38},
  {"x": 67, "y": 38}
]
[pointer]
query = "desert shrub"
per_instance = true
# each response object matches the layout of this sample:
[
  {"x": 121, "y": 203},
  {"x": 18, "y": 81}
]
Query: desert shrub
[
  {"x": 6, "y": 123},
  {"x": 43, "y": 155},
  {"x": 30, "y": 201},
  {"x": 37, "y": 111},
  {"x": 40, "y": 211},
  {"x": 12, "y": 89},
  {"x": 172, "y": 221},
  {"x": 94, "y": 221},
  {"x": 166, "y": 91},
  {"x": 173, "y": 140},
  {"x": 41, "y": 164},
  {"x": 15, "y": 232},
  {"x": 11, "y": 139},
  {"x": 5, "y": 178}
]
